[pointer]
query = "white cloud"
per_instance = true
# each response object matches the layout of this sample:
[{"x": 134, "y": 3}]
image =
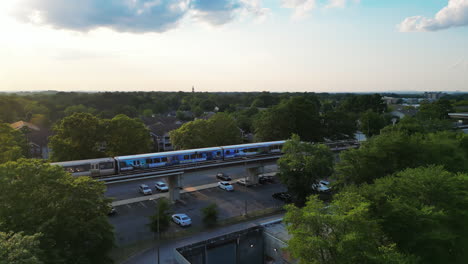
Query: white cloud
[
  {"x": 340, "y": 3},
  {"x": 132, "y": 15},
  {"x": 303, "y": 7},
  {"x": 455, "y": 14}
]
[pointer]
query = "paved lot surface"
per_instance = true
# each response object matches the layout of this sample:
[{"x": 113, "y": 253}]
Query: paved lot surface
[
  {"x": 131, "y": 220},
  {"x": 167, "y": 250},
  {"x": 127, "y": 190}
]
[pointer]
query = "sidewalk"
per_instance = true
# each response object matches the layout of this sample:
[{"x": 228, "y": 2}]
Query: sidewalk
[{"x": 159, "y": 195}]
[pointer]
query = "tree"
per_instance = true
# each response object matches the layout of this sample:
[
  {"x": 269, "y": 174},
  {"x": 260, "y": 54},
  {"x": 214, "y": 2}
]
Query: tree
[
  {"x": 13, "y": 144},
  {"x": 297, "y": 115},
  {"x": 302, "y": 165},
  {"x": 126, "y": 136},
  {"x": 424, "y": 211},
  {"x": 372, "y": 122},
  {"x": 219, "y": 130},
  {"x": 78, "y": 109},
  {"x": 341, "y": 232},
  {"x": 223, "y": 131},
  {"x": 362, "y": 103},
  {"x": 436, "y": 110},
  {"x": 69, "y": 212},
  {"x": 78, "y": 136},
  {"x": 162, "y": 214},
  {"x": 412, "y": 125},
  {"x": 339, "y": 125},
  {"x": 210, "y": 215},
  {"x": 19, "y": 248},
  {"x": 394, "y": 151}
]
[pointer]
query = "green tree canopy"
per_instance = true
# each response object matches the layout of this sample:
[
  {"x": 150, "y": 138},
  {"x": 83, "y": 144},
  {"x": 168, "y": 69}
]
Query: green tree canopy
[
  {"x": 436, "y": 110},
  {"x": 219, "y": 130},
  {"x": 69, "y": 212},
  {"x": 297, "y": 115},
  {"x": 302, "y": 165},
  {"x": 19, "y": 248},
  {"x": 126, "y": 136},
  {"x": 78, "y": 136},
  {"x": 424, "y": 211},
  {"x": 79, "y": 109},
  {"x": 362, "y": 103},
  {"x": 339, "y": 233},
  {"x": 371, "y": 122},
  {"x": 13, "y": 144},
  {"x": 163, "y": 215},
  {"x": 394, "y": 151}
]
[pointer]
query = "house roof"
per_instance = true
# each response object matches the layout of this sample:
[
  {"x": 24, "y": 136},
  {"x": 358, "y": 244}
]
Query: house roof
[
  {"x": 161, "y": 125},
  {"x": 21, "y": 124}
]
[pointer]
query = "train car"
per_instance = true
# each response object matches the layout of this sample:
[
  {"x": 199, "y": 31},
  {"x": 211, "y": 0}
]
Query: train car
[
  {"x": 152, "y": 160},
  {"x": 252, "y": 149},
  {"x": 91, "y": 167}
]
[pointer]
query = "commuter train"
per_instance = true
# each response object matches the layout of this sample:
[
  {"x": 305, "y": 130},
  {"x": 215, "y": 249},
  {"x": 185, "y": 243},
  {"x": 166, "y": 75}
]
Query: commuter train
[{"x": 116, "y": 165}]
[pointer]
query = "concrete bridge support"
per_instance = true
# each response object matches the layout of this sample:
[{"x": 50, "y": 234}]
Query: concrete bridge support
[
  {"x": 174, "y": 183},
  {"x": 252, "y": 173}
]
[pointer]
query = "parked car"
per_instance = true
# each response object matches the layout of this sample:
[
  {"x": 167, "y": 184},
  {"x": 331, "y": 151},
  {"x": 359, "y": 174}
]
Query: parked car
[
  {"x": 181, "y": 219},
  {"x": 161, "y": 186},
  {"x": 225, "y": 186},
  {"x": 112, "y": 210},
  {"x": 222, "y": 176},
  {"x": 244, "y": 182},
  {"x": 145, "y": 190},
  {"x": 265, "y": 179},
  {"x": 283, "y": 196},
  {"x": 321, "y": 187}
]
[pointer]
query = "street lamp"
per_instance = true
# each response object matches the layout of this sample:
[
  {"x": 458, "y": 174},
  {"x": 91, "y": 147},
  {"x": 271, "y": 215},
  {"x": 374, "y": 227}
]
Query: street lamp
[{"x": 157, "y": 228}]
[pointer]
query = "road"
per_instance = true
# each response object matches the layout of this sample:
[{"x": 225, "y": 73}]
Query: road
[
  {"x": 167, "y": 249},
  {"x": 127, "y": 190}
]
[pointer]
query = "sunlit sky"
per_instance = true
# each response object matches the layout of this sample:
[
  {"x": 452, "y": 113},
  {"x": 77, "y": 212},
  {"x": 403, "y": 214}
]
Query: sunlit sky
[{"x": 234, "y": 45}]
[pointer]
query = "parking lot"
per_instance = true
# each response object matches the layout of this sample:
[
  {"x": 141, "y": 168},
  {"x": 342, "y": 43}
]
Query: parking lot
[{"x": 131, "y": 220}]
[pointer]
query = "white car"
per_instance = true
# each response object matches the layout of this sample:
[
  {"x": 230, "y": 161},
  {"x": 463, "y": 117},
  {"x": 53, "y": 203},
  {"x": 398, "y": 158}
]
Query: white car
[
  {"x": 322, "y": 186},
  {"x": 145, "y": 190},
  {"x": 181, "y": 219},
  {"x": 225, "y": 186},
  {"x": 161, "y": 186}
]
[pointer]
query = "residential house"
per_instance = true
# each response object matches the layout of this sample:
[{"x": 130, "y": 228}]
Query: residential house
[{"x": 37, "y": 138}]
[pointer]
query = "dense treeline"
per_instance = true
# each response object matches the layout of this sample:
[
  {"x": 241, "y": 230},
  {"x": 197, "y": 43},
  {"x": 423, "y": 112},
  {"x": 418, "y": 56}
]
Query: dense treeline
[{"x": 402, "y": 197}]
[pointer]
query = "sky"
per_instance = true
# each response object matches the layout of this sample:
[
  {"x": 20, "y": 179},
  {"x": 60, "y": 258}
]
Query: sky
[{"x": 234, "y": 45}]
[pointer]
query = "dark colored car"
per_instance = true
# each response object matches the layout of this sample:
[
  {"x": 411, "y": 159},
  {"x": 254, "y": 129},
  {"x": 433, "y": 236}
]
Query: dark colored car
[
  {"x": 222, "y": 176},
  {"x": 283, "y": 196},
  {"x": 265, "y": 179}
]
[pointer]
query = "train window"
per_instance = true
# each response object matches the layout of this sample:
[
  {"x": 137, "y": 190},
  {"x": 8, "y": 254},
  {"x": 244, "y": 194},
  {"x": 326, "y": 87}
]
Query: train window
[
  {"x": 193, "y": 156},
  {"x": 236, "y": 151},
  {"x": 186, "y": 157},
  {"x": 156, "y": 160},
  {"x": 228, "y": 152},
  {"x": 250, "y": 150},
  {"x": 164, "y": 159},
  {"x": 106, "y": 165},
  {"x": 123, "y": 164},
  {"x": 200, "y": 156},
  {"x": 218, "y": 153},
  {"x": 149, "y": 161}
]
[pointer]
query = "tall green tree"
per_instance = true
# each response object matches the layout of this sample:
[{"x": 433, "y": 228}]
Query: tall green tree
[
  {"x": 436, "y": 110},
  {"x": 219, "y": 130},
  {"x": 339, "y": 233},
  {"x": 13, "y": 144},
  {"x": 394, "y": 151},
  {"x": 69, "y": 212},
  {"x": 371, "y": 122},
  {"x": 78, "y": 136},
  {"x": 160, "y": 221},
  {"x": 424, "y": 211},
  {"x": 339, "y": 125},
  {"x": 297, "y": 115},
  {"x": 126, "y": 136},
  {"x": 302, "y": 165},
  {"x": 17, "y": 248}
]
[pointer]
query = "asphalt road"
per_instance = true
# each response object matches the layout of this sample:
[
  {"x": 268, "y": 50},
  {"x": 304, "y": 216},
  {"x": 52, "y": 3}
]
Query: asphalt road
[
  {"x": 131, "y": 220},
  {"x": 127, "y": 190}
]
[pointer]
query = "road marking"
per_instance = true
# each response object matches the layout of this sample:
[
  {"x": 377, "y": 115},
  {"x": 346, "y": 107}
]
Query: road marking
[
  {"x": 143, "y": 204},
  {"x": 129, "y": 207}
]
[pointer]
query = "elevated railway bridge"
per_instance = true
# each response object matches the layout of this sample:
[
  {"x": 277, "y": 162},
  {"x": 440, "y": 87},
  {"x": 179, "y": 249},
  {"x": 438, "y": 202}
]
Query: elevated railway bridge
[{"x": 254, "y": 165}]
